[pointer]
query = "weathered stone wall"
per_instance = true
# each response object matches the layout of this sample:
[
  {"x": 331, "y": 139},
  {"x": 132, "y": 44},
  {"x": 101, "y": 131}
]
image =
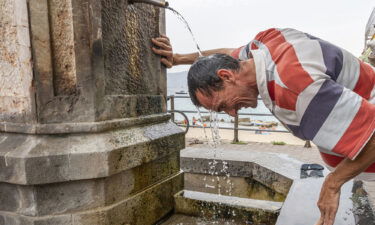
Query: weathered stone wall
[
  {"x": 84, "y": 138},
  {"x": 92, "y": 60},
  {"x": 117, "y": 175},
  {"x": 62, "y": 36},
  {"x": 16, "y": 92},
  {"x": 129, "y": 63},
  {"x": 130, "y": 67}
]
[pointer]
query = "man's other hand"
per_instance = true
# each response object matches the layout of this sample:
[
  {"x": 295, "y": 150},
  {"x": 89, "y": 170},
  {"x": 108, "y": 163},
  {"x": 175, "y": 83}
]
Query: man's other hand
[
  {"x": 328, "y": 201},
  {"x": 165, "y": 50}
]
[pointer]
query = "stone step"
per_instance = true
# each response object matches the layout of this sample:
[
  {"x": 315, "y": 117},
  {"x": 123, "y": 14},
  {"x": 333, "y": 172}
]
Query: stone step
[
  {"x": 179, "y": 219},
  {"x": 277, "y": 171},
  {"x": 243, "y": 187},
  {"x": 258, "y": 166},
  {"x": 212, "y": 206}
]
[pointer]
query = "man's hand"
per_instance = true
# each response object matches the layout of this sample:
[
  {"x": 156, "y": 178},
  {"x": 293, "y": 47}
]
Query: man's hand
[
  {"x": 170, "y": 59},
  {"x": 165, "y": 50},
  {"x": 329, "y": 201},
  {"x": 347, "y": 169}
]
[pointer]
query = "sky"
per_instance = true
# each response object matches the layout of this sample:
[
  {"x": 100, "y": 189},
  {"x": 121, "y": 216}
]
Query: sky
[{"x": 233, "y": 23}]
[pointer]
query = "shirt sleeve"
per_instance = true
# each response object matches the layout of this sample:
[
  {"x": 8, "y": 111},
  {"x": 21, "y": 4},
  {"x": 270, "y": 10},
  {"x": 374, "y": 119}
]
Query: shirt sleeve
[
  {"x": 241, "y": 53},
  {"x": 335, "y": 118}
]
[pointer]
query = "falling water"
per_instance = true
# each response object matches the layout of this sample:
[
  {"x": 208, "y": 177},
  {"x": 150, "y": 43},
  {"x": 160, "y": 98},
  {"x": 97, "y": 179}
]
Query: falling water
[
  {"x": 215, "y": 142},
  {"x": 180, "y": 17},
  {"x": 214, "y": 124},
  {"x": 204, "y": 128}
]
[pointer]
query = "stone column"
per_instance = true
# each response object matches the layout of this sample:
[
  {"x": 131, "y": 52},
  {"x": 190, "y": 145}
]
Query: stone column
[{"x": 85, "y": 138}]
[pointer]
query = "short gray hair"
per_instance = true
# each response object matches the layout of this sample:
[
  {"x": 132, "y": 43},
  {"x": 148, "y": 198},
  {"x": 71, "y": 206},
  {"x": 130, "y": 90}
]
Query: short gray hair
[{"x": 203, "y": 76}]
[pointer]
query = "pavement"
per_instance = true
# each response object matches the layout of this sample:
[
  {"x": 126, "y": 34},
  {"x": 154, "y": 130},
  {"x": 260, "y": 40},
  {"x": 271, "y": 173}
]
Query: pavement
[{"x": 306, "y": 155}]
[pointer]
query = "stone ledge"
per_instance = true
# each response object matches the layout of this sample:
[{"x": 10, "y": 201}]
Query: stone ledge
[
  {"x": 206, "y": 205},
  {"x": 77, "y": 196},
  {"x": 243, "y": 164},
  {"x": 82, "y": 127},
  {"x": 157, "y": 201},
  {"x": 300, "y": 204},
  {"x": 42, "y": 159},
  {"x": 303, "y": 192},
  {"x": 241, "y": 187}
]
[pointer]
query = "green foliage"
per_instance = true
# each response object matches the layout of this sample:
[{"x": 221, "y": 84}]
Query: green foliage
[
  {"x": 278, "y": 143},
  {"x": 239, "y": 143}
]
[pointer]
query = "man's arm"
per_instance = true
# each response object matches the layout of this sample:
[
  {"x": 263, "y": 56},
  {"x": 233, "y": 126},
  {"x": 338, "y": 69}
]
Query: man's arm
[
  {"x": 330, "y": 194},
  {"x": 191, "y": 57},
  {"x": 170, "y": 59}
]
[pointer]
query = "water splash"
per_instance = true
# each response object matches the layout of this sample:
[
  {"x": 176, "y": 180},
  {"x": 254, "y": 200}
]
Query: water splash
[
  {"x": 214, "y": 143},
  {"x": 214, "y": 125},
  {"x": 181, "y": 18},
  {"x": 204, "y": 127}
]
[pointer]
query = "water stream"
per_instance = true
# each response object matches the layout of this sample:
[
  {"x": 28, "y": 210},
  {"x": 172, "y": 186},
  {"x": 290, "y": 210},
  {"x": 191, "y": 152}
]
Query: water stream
[
  {"x": 215, "y": 141},
  {"x": 181, "y": 18}
]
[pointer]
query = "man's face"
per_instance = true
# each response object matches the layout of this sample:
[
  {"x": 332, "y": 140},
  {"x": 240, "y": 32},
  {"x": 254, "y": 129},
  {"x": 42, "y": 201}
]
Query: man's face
[{"x": 234, "y": 96}]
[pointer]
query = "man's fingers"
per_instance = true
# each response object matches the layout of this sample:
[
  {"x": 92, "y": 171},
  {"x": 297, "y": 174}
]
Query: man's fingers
[
  {"x": 165, "y": 53},
  {"x": 320, "y": 221},
  {"x": 162, "y": 45},
  {"x": 166, "y": 62},
  {"x": 164, "y": 36},
  {"x": 326, "y": 218},
  {"x": 329, "y": 217},
  {"x": 161, "y": 39}
]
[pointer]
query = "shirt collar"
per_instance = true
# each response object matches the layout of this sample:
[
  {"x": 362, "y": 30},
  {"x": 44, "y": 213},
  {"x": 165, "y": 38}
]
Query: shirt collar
[{"x": 261, "y": 77}]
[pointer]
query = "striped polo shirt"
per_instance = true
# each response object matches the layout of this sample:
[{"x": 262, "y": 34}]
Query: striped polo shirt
[{"x": 319, "y": 91}]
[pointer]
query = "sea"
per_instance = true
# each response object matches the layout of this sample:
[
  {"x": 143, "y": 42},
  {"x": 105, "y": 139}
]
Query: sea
[{"x": 177, "y": 84}]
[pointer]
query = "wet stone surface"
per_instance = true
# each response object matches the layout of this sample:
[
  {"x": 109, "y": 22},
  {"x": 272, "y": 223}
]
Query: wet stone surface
[
  {"x": 130, "y": 66},
  {"x": 180, "y": 219},
  {"x": 212, "y": 207},
  {"x": 299, "y": 206},
  {"x": 242, "y": 187}
]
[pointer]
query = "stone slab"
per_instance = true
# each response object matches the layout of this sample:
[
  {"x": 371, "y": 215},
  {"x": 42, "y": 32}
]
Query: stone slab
[
  {"x": 302, "y": 199},
  {"x": 191, "y": 220},
  {"x": 230, "y": 186},
  {"x": 77, "y": 196},
  {"x": 41, "y": 159},
  {"x": 258, "y": 166},
  {"x": 300, "y": 205},
  {"x": 234, "y": 201},
  {"x": 145, "y": 207},
  {"x": 82, "y": 127},
  {"x": 214, "y": 206}
]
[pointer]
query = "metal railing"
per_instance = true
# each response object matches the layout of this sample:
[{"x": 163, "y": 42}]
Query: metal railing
[{"x": 236, "y": 123}]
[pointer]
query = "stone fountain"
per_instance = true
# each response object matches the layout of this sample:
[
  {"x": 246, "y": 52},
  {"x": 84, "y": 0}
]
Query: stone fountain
[{"x": 85, "y": 138}]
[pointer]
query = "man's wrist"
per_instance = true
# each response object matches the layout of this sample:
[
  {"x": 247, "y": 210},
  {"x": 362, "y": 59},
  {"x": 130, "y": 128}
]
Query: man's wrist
[
  {"x": 334, "y": 181},
  {"x": 176, "y": 59}
]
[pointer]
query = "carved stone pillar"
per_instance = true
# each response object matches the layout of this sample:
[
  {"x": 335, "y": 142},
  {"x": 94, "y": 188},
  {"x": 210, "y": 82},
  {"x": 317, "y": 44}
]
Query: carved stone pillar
[{"x": 85, "y": 138}]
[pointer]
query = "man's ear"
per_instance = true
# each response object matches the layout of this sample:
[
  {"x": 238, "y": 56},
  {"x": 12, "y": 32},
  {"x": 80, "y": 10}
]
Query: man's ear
[{"x": 226, "y": 75}]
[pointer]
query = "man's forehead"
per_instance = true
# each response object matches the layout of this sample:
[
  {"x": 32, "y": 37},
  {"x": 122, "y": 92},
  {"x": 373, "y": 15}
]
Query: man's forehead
[{"x": 206, "y": 101}]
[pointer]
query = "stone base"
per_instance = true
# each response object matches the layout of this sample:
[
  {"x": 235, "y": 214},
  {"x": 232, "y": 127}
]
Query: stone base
[
  {"x": 212, "y": 206},
  {"x": 242, "y": 187},
  {"x": 145, "y": 207},
  {"x": 124, "y": 176}
]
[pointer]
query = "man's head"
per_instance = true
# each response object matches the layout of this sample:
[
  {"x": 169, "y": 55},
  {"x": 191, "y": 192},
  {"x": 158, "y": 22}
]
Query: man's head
[{"x": 221, "y": 83}]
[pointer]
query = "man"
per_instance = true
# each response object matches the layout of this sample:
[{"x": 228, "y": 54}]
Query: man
[{"x": 320, "y": 92}]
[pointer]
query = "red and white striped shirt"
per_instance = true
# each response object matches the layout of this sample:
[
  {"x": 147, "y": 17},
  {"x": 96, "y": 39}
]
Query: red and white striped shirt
[{"x": 319, "y": 91}]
